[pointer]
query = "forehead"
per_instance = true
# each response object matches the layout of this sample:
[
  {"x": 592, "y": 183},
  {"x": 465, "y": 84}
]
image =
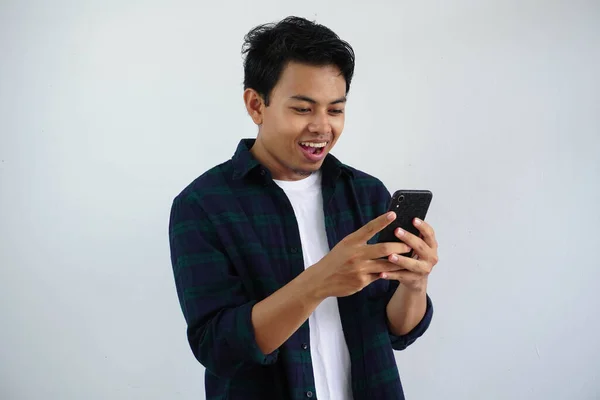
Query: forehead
[{"x": 322, "y": 83}]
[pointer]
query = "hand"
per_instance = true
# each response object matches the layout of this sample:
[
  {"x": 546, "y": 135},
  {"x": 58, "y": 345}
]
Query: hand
[
  {"x": 353, "y": 264},
  {"x": 415, "y": 270}
]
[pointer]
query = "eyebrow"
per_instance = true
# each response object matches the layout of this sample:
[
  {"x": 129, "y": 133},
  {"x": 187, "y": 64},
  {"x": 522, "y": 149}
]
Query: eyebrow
[{"x": 313, "y": 101}]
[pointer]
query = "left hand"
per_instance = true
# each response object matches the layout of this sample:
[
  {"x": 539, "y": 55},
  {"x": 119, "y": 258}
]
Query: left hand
[{"x": 416, "y": 269}]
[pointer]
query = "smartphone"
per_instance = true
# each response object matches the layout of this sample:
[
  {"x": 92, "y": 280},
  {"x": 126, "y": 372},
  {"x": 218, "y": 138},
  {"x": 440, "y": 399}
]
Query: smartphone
[{"x": 408, "y": 205}]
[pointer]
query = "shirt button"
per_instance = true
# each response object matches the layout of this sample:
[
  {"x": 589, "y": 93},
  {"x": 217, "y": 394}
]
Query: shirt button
[
  {"x": 304, "y": 346},
  {"x": 262, "y": 172},
  {"x": 294, "y": 250},
  {"x": 309, "y": 394}
]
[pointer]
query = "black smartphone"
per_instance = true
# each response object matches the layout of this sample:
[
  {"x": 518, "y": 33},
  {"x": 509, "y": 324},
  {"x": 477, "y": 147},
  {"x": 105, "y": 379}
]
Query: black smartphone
[{"x": 408, "y": 205}]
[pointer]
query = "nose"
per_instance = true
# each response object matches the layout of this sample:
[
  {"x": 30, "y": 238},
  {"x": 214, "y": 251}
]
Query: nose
[{"x": 320, "y": 124}]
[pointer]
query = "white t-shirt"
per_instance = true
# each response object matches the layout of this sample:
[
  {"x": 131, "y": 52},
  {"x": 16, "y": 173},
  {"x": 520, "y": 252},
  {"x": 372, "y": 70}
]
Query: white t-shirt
[{"x": 329, "y": 352}]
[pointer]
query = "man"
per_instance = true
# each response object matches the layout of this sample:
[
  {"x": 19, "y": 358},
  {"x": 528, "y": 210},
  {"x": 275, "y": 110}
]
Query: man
[{"x": 285, "y": 292}]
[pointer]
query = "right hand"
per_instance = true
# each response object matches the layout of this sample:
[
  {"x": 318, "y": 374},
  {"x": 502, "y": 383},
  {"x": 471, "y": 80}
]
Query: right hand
[{"x": 353, "y": 264}]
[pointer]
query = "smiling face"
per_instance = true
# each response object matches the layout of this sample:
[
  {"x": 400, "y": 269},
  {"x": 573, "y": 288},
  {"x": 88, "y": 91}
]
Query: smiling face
[{"x": 302, "y": 122}]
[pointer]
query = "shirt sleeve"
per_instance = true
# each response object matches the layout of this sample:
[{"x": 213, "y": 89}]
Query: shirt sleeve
[
  {"x": 403, "y": 341},
  {"x": 215, "y": 305}
]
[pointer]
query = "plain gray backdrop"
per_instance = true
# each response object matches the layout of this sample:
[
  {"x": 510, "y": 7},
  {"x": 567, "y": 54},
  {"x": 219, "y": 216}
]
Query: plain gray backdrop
[{"x": 109, "y": 108}]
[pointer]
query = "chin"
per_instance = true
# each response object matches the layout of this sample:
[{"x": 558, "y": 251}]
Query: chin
[
  {"x": 309, "y": 169},
  {"x": 306, "y": 169}
]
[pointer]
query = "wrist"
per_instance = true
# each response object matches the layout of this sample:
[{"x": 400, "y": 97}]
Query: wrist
[
  {"x": 313, "y": 282},
  {"x": 415, "y": 287}
]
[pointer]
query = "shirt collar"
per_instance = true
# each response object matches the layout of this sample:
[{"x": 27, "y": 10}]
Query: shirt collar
[{"x": 244, "y": 163}]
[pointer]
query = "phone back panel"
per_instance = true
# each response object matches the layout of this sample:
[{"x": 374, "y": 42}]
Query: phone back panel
[{"x": 408, "y": 205}]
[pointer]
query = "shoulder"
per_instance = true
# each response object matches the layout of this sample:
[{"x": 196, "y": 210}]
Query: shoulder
[
  {"x": 372, "y": 196},
  {"x": 368, "y": 184},
  {"x": 211, "y": 183},
  {"x": 193, "y": 207}
]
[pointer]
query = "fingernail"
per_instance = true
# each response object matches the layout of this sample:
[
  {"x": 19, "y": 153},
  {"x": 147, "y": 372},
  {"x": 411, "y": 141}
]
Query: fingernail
[
  {"x": 384, "y": 275},
  {"x": 418, "y": 221},
  {"x": 394, "y": 258},
  {"x": 399, "y": 232},
  {"x": 391, "y": 216}
]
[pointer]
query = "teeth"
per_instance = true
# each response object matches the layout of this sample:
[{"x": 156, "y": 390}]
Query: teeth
[{"x": 309, "y": 144}]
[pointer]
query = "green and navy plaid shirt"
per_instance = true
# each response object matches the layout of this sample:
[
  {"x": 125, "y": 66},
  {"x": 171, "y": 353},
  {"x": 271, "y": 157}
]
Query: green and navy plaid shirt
[{"x": 234, "y": 241}]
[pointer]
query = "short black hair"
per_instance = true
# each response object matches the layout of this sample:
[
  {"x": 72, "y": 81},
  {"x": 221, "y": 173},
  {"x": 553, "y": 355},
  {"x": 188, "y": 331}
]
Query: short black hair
[{"x": 268, "y": 48}]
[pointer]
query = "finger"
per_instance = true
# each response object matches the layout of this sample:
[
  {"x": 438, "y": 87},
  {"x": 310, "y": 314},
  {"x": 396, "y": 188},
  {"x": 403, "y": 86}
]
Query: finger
[
  {"x": 410, "y": 264},
  {"x": 402, "y": 276},
  {"x": 376, "y": 267},
  {"x": 386, "y": 249},
  {"x": 419, "y": 246},
  {"x": 427, "y": 232},
  {"x": 422, "y": 251},
  {"x": 373, "y": 227}
]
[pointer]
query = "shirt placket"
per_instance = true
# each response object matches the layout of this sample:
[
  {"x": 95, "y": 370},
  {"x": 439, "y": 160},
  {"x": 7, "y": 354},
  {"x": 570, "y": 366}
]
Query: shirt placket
[{"x": 300, "y": 341}]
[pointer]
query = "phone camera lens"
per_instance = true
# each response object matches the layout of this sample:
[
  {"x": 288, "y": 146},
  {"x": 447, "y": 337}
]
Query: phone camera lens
[{"x": 401, "y": 198}]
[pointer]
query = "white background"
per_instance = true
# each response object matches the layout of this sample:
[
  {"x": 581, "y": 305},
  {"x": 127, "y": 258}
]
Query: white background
[{"x": 109, "y": 108}]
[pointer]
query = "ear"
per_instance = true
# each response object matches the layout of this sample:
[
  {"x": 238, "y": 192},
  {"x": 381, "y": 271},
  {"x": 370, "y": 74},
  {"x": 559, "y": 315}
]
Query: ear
[{"x": 255, "y": 105}]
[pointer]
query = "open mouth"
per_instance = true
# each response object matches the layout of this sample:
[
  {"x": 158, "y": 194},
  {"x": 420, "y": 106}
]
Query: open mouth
[
  {"x": 313, "y": 152},
  {"x": 312, "y": 148}
]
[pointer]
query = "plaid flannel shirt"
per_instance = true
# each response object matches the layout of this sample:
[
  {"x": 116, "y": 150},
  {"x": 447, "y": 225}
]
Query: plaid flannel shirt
[{"x": 234, "y": 241}]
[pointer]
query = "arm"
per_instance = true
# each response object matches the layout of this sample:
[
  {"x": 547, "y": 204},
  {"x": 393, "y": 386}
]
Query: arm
[
  {"x": 407, "y": 321},
  {"x": 226, "y": 329},
  {"x": 409, "y": 310},
  {"x": 278, "y": 316},
  {"x": 406, "y": 309}
]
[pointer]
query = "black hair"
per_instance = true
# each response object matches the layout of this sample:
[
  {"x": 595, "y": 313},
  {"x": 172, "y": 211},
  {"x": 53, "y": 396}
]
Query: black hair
[{"x": 268, "y": 48}]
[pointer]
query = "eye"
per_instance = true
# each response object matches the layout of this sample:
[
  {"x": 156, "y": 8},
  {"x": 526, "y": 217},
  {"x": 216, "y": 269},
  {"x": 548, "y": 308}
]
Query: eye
[
  {"x": 336, "y": 111},
  {"x": 301, "y": 110}
]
